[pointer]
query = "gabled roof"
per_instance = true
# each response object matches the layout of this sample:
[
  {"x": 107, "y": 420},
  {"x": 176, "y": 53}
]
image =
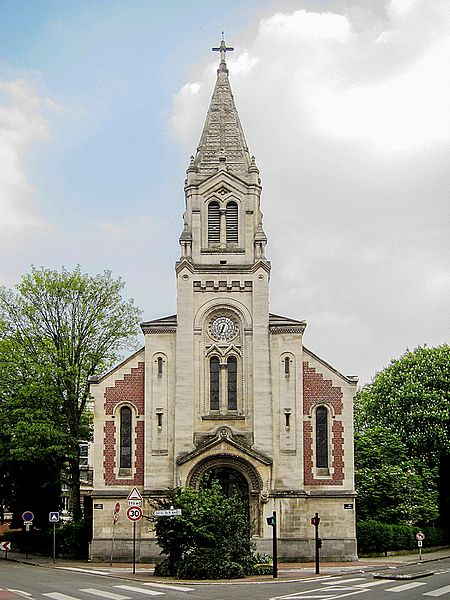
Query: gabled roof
[{"x": 353, "y": 379}]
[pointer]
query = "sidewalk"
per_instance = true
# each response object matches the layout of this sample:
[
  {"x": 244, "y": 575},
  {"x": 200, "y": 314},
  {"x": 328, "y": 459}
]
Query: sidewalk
[{"x": 286, "y": 571}]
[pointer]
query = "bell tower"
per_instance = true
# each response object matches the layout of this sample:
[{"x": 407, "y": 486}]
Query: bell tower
[{"x": 222, "y": 284}]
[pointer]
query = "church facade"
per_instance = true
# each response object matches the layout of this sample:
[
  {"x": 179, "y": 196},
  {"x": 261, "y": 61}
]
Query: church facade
[{"x": 224, "y": 387}]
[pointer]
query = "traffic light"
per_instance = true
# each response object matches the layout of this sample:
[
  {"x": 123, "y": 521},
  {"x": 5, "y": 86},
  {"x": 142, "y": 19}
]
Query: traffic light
[
  {"x": 319, "y": 543},
  {"x": 271, "y": 521},
  {"x": 315, "y": 521}
]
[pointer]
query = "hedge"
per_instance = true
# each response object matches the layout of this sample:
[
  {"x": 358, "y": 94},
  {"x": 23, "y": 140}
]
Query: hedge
[{"x": 377, "y": 538}]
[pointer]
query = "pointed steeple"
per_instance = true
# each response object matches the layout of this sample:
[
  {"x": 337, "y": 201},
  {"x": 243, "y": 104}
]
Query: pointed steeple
[{"x": 222, "y": 143}]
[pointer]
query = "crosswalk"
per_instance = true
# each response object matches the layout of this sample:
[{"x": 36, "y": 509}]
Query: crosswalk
[
  {"x": 335, "y": 588},
  {"x": 124, "y": 592}
]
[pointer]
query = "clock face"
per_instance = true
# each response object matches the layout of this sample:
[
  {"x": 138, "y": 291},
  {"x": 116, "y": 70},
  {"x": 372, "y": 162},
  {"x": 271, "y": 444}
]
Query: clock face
[{"x": 223, "y": 328}]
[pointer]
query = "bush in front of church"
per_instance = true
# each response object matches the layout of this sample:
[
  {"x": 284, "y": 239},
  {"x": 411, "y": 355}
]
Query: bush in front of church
[{"x": 211, "y": 539}]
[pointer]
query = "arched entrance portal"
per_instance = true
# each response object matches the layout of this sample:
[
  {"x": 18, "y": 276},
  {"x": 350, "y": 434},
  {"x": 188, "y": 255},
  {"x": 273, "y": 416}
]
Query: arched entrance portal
[
  {"x": 231, "y": 481},
  {"x": 234, "y": 474}
]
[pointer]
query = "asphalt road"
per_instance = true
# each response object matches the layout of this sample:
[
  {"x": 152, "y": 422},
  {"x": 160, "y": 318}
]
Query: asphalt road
[{"x": 21, "y": 581}]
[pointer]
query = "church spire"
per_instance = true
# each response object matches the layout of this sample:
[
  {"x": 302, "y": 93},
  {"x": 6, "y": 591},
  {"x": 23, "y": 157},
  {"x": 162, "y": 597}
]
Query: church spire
[{"x": 222, "y": 144}]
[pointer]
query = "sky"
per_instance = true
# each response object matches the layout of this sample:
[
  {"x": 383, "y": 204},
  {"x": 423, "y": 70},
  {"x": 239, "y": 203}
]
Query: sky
[{"x": 344, "y": 103}]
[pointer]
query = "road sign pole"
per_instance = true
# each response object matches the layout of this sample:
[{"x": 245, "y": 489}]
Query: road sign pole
[
  {"x": 54, "y": 542},
  {"x": 274, "y": 546},
  {"x": 134, "y": 547}
]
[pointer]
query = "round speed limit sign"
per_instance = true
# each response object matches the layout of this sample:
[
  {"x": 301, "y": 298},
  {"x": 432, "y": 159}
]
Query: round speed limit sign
[{"x": 134, "y": 513}]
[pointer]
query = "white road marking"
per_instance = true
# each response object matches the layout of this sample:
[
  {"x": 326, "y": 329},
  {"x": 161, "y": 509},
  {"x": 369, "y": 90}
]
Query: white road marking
[
  {"x": 439, "y": 592},
  {"x": 322, "y": 594},
  {"x": 405, "y": 586},
  {"x": 130, "y": 588},
  {"x": 59, "y": 596},
  {"x": 93, "y": 571},
  {"x": 104, "y": 594},
  {"x": 21, "y": 592},
  {"x": 176, "y": 588},
  {"x": 341, "y": 581},
  {"x": 371, "y": 584}
]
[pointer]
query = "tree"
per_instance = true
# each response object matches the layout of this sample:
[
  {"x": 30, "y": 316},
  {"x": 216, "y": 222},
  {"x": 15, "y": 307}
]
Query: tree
[
  {"x": 410, "y": 399},
  {"x": 63, "y": 327},
  {"x": 212, "y": 528},
  {"x": 392, "y": 487}
]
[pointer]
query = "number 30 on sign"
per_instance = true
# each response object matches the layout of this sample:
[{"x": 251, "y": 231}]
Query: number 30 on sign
[{"x": 134, "y": 513}]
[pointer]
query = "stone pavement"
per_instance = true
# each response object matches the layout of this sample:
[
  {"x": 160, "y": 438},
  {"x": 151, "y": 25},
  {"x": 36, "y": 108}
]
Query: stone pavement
[{"x": 286, "y": 571}]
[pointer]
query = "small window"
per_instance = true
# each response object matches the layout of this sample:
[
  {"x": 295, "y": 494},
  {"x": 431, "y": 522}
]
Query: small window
[
  {"x": 232, "y": 383},
  {"x": 287, "y": 363},
  {"x": 322, "y": 438},
  {"x": 160, "y": 366},
  {"x": 213, "y": 223},
  {"x": 84, "y": 454},
  {"x": 232, "y": 222},
  {"x": 125, "y": 438},
  {"x": 214, "y": 383}
]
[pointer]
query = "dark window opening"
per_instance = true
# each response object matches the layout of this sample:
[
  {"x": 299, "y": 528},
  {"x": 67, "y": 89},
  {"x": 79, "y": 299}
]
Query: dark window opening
[
  {"x": 286, "y": 366},
  {"x": 232, "y": 383},
  {"x": 214, "y": 383},
  {"x": 287, "y": 417},
  {"x": 125, "y": 438},
  {"x": 160, "y": 366},
  {"x": 322, "y": 438},
  {"x": 232, "y": 222},
  {"x": 213, "y": 223}
]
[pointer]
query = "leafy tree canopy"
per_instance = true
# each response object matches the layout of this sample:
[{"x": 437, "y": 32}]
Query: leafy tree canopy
[
  {"x": 402, "y": 439},
  {"x": 57, "y": 329}
]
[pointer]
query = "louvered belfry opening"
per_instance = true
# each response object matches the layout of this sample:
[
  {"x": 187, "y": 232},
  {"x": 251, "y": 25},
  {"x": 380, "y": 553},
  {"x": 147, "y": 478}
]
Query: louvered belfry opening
[
  {"x": 232, "y": 222},
  {"x": 213, "y": 223}
]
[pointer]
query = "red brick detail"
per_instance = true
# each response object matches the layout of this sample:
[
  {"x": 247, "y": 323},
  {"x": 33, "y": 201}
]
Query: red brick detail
[
  {"x": 317, "y": 390},
  {"x": 109, "y": 456},
  {"x": 338, "y": 451},
  {"x": 130, "y": 389},
  {"x": 308, "y": 453}
]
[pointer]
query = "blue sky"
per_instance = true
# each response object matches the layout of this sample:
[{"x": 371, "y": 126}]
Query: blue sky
[{"x": 344, "y": 104}]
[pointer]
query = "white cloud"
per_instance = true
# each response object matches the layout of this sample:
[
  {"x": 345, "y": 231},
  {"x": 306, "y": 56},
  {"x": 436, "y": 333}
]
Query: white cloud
[
  {"x": 22, "y": 125},
  {"x": 350, "y": 128}
]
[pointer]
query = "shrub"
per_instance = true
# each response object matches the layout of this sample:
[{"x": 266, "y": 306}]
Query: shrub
[
  {"x": 376, "y": 538},
  {"x": 208, "y": 563}
]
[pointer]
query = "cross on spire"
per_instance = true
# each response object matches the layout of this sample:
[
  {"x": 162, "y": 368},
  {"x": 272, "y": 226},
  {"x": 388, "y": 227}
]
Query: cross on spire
[{"x": 223, "y": 49}]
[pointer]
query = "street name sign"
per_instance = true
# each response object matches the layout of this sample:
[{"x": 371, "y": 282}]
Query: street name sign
[{"x": 170, "y": 512}]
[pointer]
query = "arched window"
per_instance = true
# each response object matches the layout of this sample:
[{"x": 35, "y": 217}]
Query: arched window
[
  {"x": 213, "y": 223},
  {"x": 322, "y": 438},
  {"x": 160, "y": 366},
  {"x": 214, "y": 383},
  {"x": 125, "y": 438},
  {"x": 286, "y": 366},
  {"x": 232, "y": 222},
  {"x": 232, "y": 383}
]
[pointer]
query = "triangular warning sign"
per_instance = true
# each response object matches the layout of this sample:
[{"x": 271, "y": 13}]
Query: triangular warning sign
[{"x": 134, "y": 495}]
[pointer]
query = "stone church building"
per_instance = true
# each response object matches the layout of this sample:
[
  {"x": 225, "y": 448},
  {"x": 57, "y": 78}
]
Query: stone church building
[{"x": 225, "y": 387}]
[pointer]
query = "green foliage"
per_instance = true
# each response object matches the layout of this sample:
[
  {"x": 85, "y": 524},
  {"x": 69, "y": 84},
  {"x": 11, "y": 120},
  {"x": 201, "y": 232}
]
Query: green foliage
[
  {"x": 377, "y": 538},
  {"x": 57, "y": 329},
  {"x": 71, "y": 540},
  {"x": 207, "y": 563},
  {"x": 412, "y": 397},
  {"x": 402, "y": 440},
  {"x": 392, "y": 487},
  {"x": 212, "y": 529}
]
